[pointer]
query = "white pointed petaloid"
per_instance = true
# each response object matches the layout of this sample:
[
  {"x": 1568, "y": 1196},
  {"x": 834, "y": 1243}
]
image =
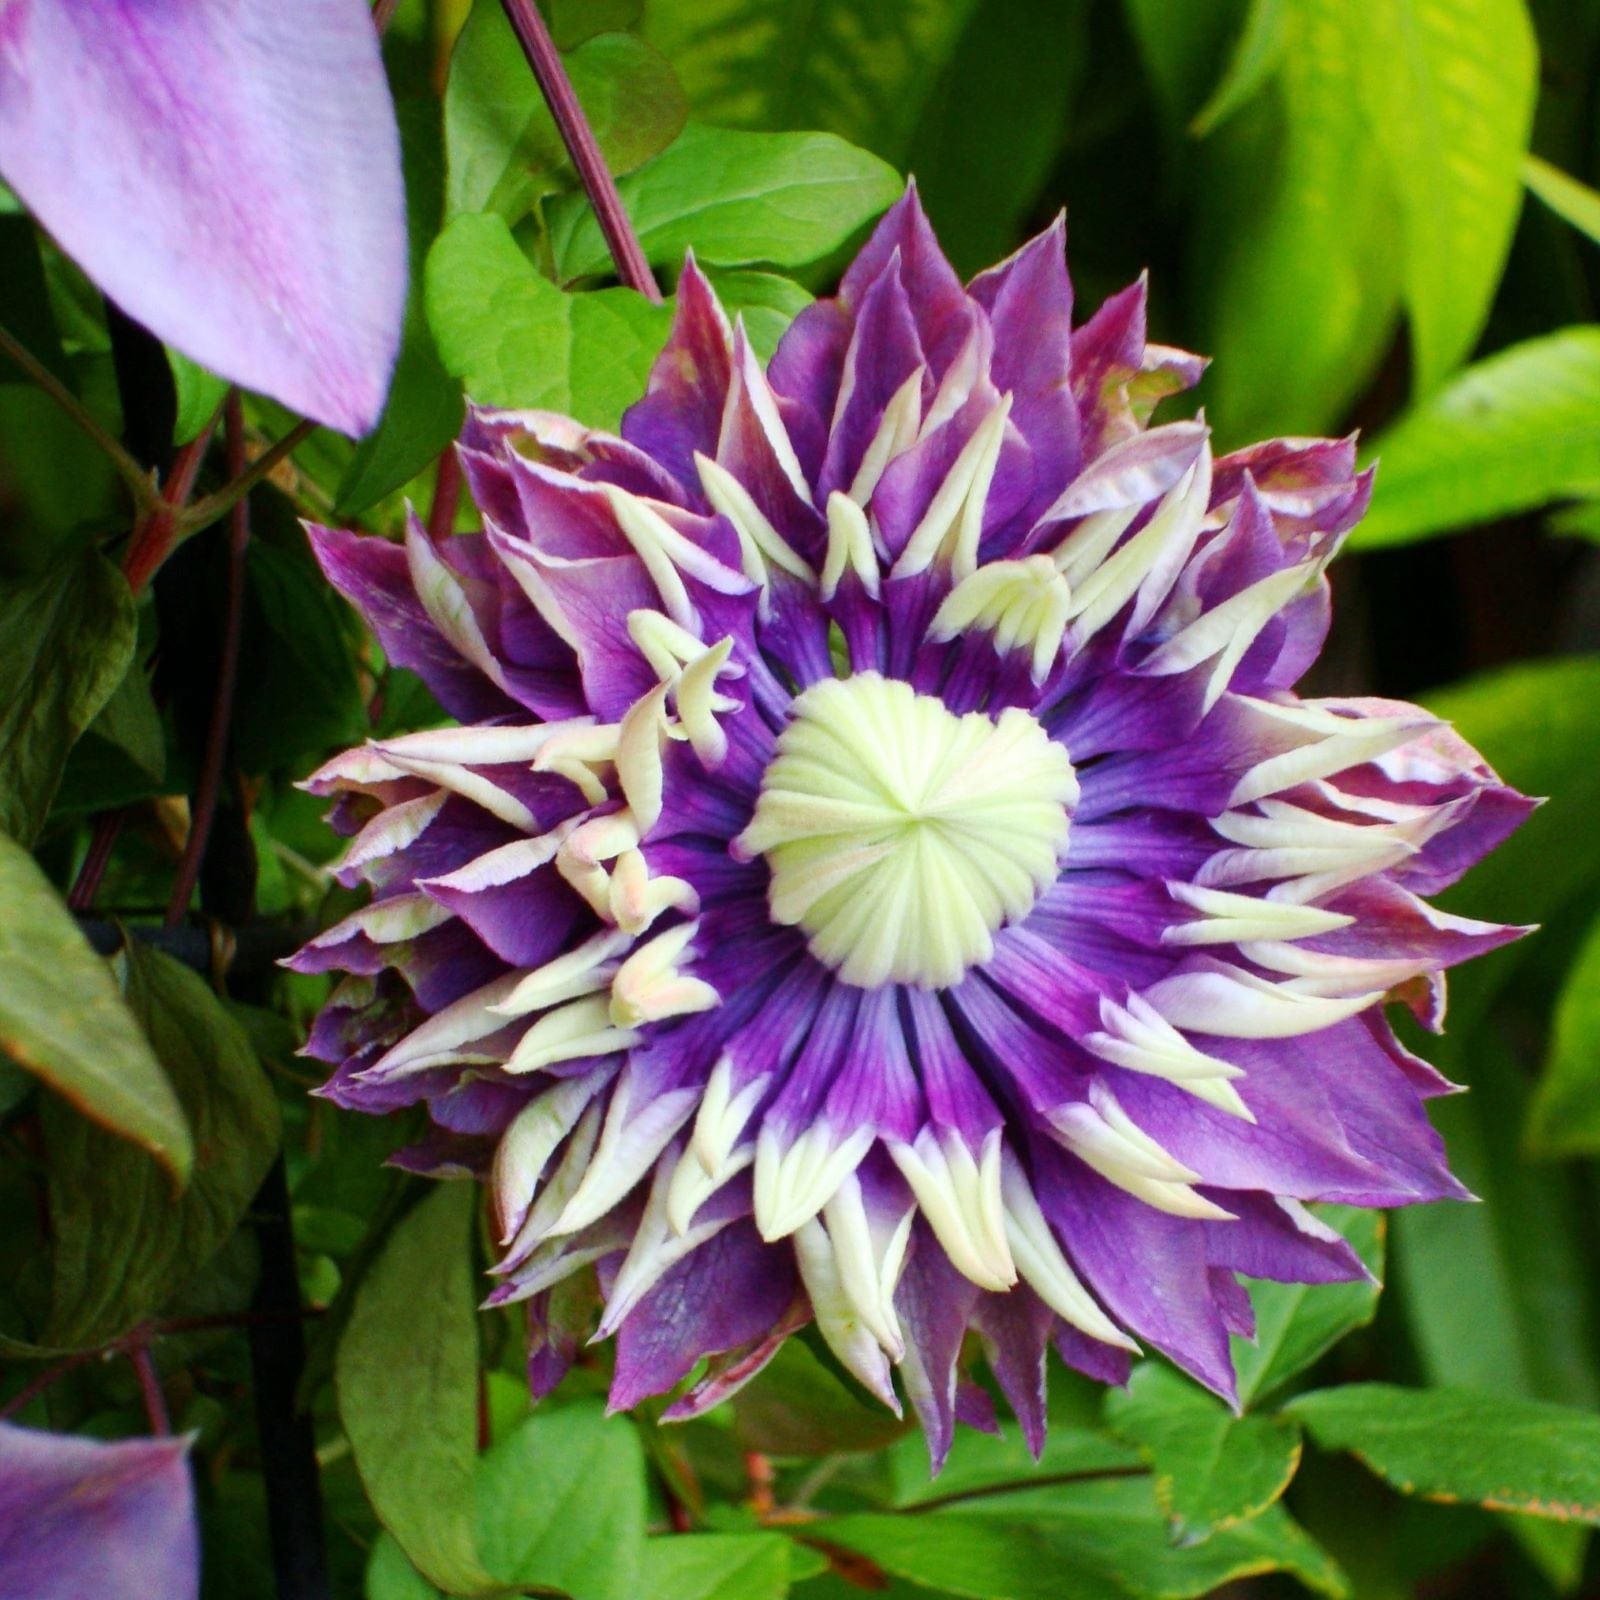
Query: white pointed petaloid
[
  {"x": 723, "y": 1114},
  {"x": 694, "y": 691},
  {"x": 631, "y": 1140},
  {"x": 1330, "y": 743},
  {"x": 391, "y": 830},
  {"x": 793, "y": 1183},
  {"x": 953, "y": 523},
  {"x": 527, "y": 1145},
  {"x": 897, "y": 432},
  {"x": 759, "y": 541},
  {"x": 1227, "y": 631},
  {"x": 1310, "y": 853},
  {"x": 850, "y": 547},
  {"x": 692, "y": 1184},
  {"x": 960, "y": 1196},
  {"x": 1227, "y": 918},
  {"x": 656, "y": 1247},
  {"x": 839, "y": 1319},
  {"x": 634, "y": 899},
  {"x": 559, "y": 1188},
  {"x": 901, "y": 836},
  {"x": 570, "y": 1032},
  {"x": 650, "y": 987},
  {"x": 1216, "y": 997},
  {"x": 1103, "y": 1136},
  {"x": 1023, "y": 602},
  {"x": 869, "y": 1252},
  {"x": 439, "y": 1041},
  {"x": 1138, "y": 1038},
  {"x": 586, "y": 969},
  {"x": 1147, "y": 564},
  {"x": 1042, "y": 1264},
  {"x": 400, "y": 917},
  {"x": 660, "y": 547}
]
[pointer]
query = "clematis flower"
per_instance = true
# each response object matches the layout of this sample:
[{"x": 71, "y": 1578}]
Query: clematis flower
[
  {"x": 882, "y": 874},
  {"x": 89, "y": 1517},
  {"x": 229, "y": 173}
]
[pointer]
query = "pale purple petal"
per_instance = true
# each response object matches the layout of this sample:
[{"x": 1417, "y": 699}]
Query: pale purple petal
[{"x": 229, "y": 173}]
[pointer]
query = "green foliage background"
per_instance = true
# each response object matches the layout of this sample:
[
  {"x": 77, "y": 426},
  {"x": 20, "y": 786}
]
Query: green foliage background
[{"x": 1373, "y": 215}]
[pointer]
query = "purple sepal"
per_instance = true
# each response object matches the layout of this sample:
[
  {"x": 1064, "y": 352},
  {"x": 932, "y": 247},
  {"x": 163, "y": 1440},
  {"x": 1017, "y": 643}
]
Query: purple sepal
[
  {"x": 229, "y": 174},
  {"x": 81, "y": 1517}
]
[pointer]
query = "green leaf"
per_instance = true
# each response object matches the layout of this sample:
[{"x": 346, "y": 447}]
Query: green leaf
[
  {"x": 1294, "y": 263},
  {"x": 1449, "y": 87},
  {"x": 561, "y": 1504},
  {"x": 1460, "y": 1445},
  {"x": 1565, "y": 1117},
  {"x": 1255, "y": 58},
  {"x": 516, "y": 340},
  {"x": 407, "y": 1380},
  {"x": 981, "y": 1463},
  {"x": 297, "y": 695},
  {"x": 199, "y": 393},
  {"x": 1575, "y": 203},
  {"x": 423, "y": 412},
  {"x": 767, "y": 301},
  {"x": 1180, "y": 47},
  {"x": 716, "y": 1566},
  {"x": 860, "y": 71},
  {"x": 573, "y": 21},
  {"x": 66, "y": 638},
  {"x": 992, "y": 127},
  {"x": 501, "y": 143},
  {"x": 1093, "y": 1539},
  {"x": 1509, "y": 434},
  {"x": 1497, "y": 1296},
  {"x": 391, "y": 1577},
  {"x": 736, "y": 199},
  {"x": 796, "y": 1406},
  {"x": 124, "y": 1242},
  {"x": 1212, "y": 1469},
  {"x": 62, "y": 1018},
  {"x": 1297, "y": 1323},
  {"x": 122, "y": 756}
]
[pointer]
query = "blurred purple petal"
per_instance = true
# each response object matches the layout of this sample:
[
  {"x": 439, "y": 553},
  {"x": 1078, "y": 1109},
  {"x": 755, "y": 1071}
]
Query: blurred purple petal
[
  {"x": 229, "y": 173},
  {"x": 82, "y": 1517}
]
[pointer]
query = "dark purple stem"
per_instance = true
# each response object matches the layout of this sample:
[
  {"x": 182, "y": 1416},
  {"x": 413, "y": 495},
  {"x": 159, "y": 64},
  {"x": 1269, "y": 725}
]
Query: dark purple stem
[
  {"x": 102, "y": 841},
  {"x": 579, "y": 139},
  {"x": 155, "y": 1402},
  {"x": 210, "y": 782}
]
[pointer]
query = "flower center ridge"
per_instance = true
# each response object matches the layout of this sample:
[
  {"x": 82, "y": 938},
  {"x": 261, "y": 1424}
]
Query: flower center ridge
[{"x": 900, "y": 835}]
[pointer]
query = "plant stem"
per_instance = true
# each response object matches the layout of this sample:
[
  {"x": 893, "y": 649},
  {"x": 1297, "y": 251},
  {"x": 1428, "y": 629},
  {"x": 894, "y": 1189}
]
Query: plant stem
[
  {"x": 102, "y": 841},
  {"x": 157, "y": 530},
  {"x": 1046, "y": 1480},
  {"x": 137, "y": 479},
  {"x": 155, "y": 1402},
  {"x": 288, "y": 1441},
  {"x": 206, "y": 511},
  {"x": 446, "y": 496},
  {"x": 582, "y": 146},
  {"x": 204, "y": 807}
]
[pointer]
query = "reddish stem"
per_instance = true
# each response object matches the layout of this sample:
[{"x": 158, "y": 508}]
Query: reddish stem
[
  {"x": 204, "y": 809},
  {"x": 35, "y": 1387},
  {"x": 156, "y": 532},
  {"x": 155, "y": 1403},
  {"x": 102, "y": 841},
  {"x": 578, "y": 136},
  {"x": 446, "y": 497}
]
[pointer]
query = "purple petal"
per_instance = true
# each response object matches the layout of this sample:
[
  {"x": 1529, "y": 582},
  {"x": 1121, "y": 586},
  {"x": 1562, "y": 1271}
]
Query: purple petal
[
  {"x": 229, "y": 173},
  {"x": 85, "y": 1517}
]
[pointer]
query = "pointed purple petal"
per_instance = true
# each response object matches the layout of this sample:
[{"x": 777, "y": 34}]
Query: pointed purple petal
[{"x": 229, "y": 173}]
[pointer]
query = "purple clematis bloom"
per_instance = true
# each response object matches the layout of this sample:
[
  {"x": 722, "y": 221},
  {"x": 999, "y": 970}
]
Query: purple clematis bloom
[
  {"x": 883, "y": 874},
  {"x": 229, "y": 173},
  {"x": 81, "y": 1517}
]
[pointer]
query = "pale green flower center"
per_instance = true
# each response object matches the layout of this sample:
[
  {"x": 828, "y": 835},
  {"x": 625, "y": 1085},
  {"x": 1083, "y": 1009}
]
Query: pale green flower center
[{"x": 902, "y": 836}]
